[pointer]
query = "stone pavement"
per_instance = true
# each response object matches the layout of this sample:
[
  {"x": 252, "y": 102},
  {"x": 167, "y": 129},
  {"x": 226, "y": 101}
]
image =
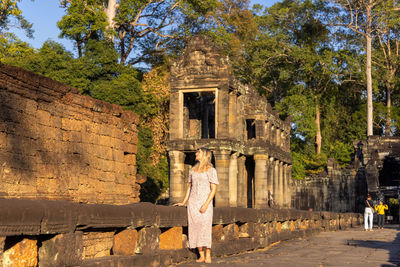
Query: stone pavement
[{"x": 354, "y": 247}]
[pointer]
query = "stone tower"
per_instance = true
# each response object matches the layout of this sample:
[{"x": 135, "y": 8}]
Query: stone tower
[{"x": 210, "y": 108}]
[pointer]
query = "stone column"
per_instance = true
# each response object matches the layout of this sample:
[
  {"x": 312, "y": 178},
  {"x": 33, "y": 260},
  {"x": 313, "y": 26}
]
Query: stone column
[
  {"x": 283, "y": 141},
  {"x": 272, "y": 136},
  {"x": 280, "y": 184},
  {"x": 241, "y": 183},
  {"x": 177, "y": 184},
  {"x": 176, "y": 116},
  {"x": 276, "y": 183},
  {"x": 289, "y": 187},
  {"x": 278, "y": 137},
  {"x": 267, "y": 130},
  {"x": 222, "y": 113},
  {"x": 260, "y": 181},
  {"x": 285, "y": 186},
  {"x": 233, "y": 180},
  {"x": 260, "y": 129},
  {"x": 270, "y": 179},
  {"x": 222, "y": 159},
  {"x": 232, "y": 115}
]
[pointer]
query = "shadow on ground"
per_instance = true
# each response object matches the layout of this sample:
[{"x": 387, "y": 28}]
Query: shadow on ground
[{"x": 393, "y": 247}]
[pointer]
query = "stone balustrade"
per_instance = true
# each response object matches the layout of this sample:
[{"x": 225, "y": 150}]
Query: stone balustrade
[{"x": 61, "y": 233}]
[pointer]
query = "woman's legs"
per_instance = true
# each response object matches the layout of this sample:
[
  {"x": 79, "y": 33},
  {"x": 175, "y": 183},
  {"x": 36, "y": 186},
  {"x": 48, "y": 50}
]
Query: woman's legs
[
  {"x": 204, "y": 257},
  {"x": 381, "y": 219},
  {"x": 365, "y": 219},
  {"x": 370, "y": 218},
  {"x": 208, "y": 255},
  {"x": 201, "y": 253}
]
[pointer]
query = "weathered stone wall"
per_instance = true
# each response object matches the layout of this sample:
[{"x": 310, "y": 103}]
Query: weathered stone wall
[
  {"x": 372, "y": 154},
  {"x": 60, "y": 233},
  {"x": 337, "y": 189},
  {"x": 58, "y": 144}
]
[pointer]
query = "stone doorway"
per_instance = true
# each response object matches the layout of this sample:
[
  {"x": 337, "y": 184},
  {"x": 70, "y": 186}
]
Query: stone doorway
[
  {"x": 389, "y": 175},
  {"x": 199, "y": 115},
  {"x": 250, "y": 167}
]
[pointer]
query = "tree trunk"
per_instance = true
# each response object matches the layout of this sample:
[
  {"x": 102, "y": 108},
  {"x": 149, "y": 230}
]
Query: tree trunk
[
  {"x": 111, "y": 11},
  {"x": 318, "y": 137},
  {"x": 388, "y": 124},
  {"x": 79, "y": 47},
  {"x": 368, "y": 74}
]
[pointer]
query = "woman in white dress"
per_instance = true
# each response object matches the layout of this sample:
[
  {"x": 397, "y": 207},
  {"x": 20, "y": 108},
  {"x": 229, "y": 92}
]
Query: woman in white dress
[{"x": 201, "y": 189}]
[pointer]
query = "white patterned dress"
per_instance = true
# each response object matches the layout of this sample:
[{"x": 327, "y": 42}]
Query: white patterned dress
[{"x": 200, "y": 224}]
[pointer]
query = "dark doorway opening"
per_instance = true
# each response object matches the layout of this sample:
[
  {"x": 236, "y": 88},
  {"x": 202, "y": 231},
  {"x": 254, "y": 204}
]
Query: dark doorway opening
[
  {"x": 250, "y": 129},
  {"x": 190, "y": 160},
  {"x": 199, "y": 115},
  {"x": 250, "y": 167},
  {"x": 389, "y": 175}
]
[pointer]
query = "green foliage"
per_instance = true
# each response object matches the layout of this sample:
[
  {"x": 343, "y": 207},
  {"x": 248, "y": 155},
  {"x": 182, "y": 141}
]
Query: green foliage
[
  {"x": 9, "y": 9},
  {"x": 393, "y": 204},
  {"x": 299, "y": 168},
  {"x": 295, "y": 63},
  {"x": 393, "y": 201},
  {"x": 341, "y": 152},
  {"x": 157, "y": 176},
  {"x": 84, "y": 20},
  {"x": 13, "y": 48}
]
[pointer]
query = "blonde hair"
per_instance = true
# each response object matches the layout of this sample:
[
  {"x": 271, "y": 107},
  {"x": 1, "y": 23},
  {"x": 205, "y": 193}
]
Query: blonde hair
[{"x": 205, "y": 161}]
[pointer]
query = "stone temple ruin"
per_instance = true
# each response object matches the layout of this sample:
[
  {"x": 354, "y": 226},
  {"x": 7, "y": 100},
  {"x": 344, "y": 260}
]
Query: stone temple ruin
[
  {"x": 251, "y": 145},
  {"x": 379, "y": 159}
]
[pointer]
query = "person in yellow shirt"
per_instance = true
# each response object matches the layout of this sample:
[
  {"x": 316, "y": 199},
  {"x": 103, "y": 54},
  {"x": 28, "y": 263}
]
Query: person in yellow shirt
[{"x": 380, "y": 209}]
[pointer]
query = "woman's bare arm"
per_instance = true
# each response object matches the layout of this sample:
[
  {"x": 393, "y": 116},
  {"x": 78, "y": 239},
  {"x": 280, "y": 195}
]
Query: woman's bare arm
[{"x": 209, "y": 198}]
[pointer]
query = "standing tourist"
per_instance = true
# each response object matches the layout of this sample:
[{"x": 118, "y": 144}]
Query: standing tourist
[
  {"x": 201, "y": 189},
  {"x": 368, "y": 214},
  {"x": 380, "y": 209}
]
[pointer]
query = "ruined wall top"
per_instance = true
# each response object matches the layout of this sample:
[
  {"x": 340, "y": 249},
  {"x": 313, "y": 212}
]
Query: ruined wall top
[{"x": 200, "y": 65}]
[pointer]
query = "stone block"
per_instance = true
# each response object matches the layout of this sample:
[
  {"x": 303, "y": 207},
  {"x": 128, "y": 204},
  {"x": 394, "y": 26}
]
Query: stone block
[
  {"x": 171, "y": 216},
  {"x": 278, "y": 227},
  {"x": 148, "y": 240},
  {"x": 43, "y": 117},
  {"x": 304, "y": 224},
  {"x": 260, "y": 230},
  {"x": 71, "y": 124},
  {"x": 62, "y": 250},
  {"x": 230, "y": 232},
  {"x": 171, "y": 239},
  {"x": 97, "y": 244},
  {"x": 2, "y": 243},
  {"x": 217, "y": 233},
  {"x": 22, "y": 254},
  {"x": 130, "y": 159},
  {"x": 125, "y": 242},
  {"x": 246, "y": 230}
]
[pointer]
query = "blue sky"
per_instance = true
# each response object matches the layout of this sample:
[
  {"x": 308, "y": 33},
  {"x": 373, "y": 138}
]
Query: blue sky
[{"x": 44, "y": 15}]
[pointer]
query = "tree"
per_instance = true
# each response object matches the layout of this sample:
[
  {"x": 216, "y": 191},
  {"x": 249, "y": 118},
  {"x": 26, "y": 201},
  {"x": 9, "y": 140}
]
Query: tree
[
  {"x": 297, "y": 63},
  {"x": 83, "y": 20},
  {"x": 136, "y": 27},
  {"x": 361, "y": 17},
  {"x": 11, "y": 48},
  {"x": 387, "y": 52},
  {"x": 9, "y": 9}
]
